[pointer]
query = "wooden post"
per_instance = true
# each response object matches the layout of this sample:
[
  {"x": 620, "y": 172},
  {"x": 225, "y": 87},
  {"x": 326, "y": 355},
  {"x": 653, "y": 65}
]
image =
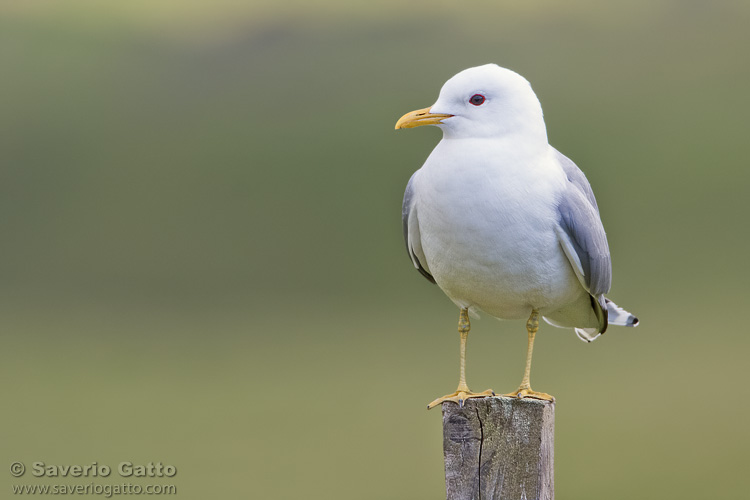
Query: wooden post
[{"x": 499, "y": 448}]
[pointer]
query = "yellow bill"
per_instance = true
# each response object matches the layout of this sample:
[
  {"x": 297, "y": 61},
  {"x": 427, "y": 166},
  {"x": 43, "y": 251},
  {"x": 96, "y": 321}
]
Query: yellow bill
[{"x": 420, "y": 117}]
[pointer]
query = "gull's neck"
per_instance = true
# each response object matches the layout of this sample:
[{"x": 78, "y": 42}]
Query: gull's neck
[{"x": 526, "y": 126}]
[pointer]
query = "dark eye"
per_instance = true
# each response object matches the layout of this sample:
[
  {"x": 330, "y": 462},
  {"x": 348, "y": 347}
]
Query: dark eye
[{"x": 477, "y": 99}]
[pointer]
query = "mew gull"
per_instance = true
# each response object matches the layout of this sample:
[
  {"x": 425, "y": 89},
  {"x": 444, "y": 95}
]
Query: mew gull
[{"x": 502, "y": 222}]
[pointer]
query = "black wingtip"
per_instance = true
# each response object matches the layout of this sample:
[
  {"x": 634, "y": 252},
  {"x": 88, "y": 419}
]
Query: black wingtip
[
  {"x": 602, "y": 313},
  {"x": 424, "y": 272}
]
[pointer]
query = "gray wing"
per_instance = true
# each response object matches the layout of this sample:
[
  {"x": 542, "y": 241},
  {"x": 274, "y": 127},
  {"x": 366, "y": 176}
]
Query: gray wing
[
  {"x": 582, "y": 237},
  {"x": 411, "y": 231},
  {"x": 583, "y": 231},
  {"x": 576, "y": 177}
]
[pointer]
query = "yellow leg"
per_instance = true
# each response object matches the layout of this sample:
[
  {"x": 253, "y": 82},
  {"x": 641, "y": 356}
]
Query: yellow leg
[
  {"x": 524, "y": 391},
  {"x": 462, "y": 392}
]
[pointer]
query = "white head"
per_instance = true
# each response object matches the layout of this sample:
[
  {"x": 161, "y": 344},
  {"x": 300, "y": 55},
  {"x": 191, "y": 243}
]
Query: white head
[{"x": 483, "y": 102}]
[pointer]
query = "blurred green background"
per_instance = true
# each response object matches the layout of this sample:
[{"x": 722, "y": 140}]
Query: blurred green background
[{"x": 201, "y": 246}]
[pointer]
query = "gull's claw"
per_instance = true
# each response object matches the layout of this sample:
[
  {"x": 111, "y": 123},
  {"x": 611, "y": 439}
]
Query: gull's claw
[
  {"x": 521, "y": 393},
  {"x": 460, "y": 397}
]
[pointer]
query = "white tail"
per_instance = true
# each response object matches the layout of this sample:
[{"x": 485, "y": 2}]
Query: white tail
[{"x": 619, "y": 316}]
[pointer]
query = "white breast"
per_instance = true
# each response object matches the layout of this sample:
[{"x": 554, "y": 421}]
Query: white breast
[{"x": 487, "y": 227}]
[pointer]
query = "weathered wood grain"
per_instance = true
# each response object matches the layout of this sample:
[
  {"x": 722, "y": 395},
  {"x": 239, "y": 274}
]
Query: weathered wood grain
[{"x": 499, "y": 449}]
